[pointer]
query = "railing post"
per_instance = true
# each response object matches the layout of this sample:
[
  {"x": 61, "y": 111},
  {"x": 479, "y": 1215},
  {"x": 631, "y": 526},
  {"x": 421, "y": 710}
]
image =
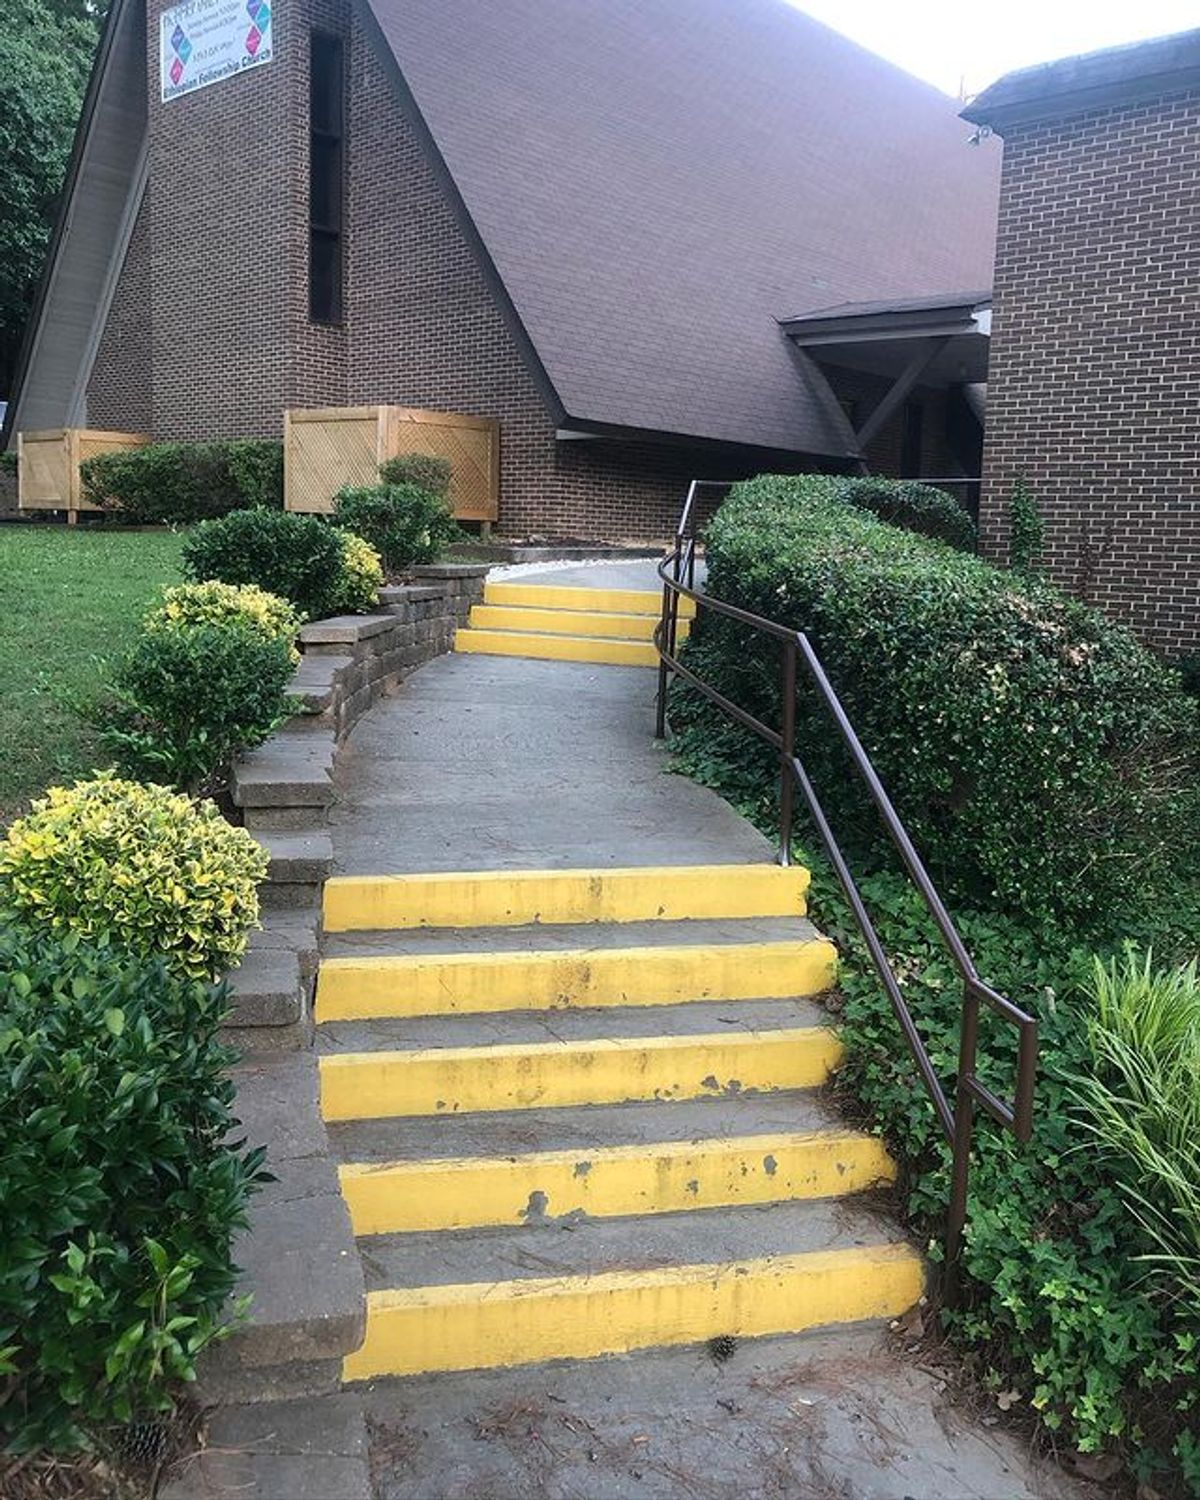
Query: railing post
[
  {"x": 667, "y": 631},
  {"x": 787, "y": 751},
  {"x": 964, "y": 1128},
  {"x": 660, "y": 708}
]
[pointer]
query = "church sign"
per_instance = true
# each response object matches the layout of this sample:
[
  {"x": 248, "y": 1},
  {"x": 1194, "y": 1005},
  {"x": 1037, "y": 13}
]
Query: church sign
[{"x": 207, "y": 41}]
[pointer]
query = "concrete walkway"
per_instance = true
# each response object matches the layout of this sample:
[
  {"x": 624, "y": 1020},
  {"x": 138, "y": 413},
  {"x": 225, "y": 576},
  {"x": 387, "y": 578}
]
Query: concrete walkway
[
  {"x": 502, "y": 763},
  {"x": 491, "y": 763}
]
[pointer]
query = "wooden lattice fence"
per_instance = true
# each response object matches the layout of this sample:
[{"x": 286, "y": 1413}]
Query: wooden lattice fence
[
  {"x": 48, "y": 466},
  {"x": 324, "y": 449}
]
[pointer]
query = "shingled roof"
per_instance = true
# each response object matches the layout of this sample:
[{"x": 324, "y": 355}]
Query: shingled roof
[{"x": 657, "y": 182}]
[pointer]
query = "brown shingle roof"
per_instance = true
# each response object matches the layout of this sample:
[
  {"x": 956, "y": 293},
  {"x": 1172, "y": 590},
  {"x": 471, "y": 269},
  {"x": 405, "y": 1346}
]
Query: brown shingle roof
[{"x": 657, "y": 181}]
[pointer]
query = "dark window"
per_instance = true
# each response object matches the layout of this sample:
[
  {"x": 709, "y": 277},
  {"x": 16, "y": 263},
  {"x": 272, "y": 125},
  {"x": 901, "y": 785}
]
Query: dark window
[
  {"x": 910, "y": 451},
  {"x": 326, "y": 124}
]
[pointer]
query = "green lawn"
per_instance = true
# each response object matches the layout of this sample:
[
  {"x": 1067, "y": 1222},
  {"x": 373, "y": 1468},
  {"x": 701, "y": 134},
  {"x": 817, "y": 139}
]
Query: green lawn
[{"x": 68, "y": 600}]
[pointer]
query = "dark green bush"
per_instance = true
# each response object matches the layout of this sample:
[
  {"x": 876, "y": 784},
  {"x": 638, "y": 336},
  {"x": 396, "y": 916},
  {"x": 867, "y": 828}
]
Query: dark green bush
[
  {"x": 120, "y": 1186},
  {"x": 913, "y": 507},
  {"x": 1037, "y": 754},
  {"x": 178, "y": 483},
  {"x": 1059, "y": 1306},
  {"x": 405, "y": 523},
  {"x": 1189, "y": 670},
  {"x": 297, "y": 557},
  {"x": 187, "y": 698},
  {"x": 425, "y": 470},
  {"x": 8, "y": 463}
]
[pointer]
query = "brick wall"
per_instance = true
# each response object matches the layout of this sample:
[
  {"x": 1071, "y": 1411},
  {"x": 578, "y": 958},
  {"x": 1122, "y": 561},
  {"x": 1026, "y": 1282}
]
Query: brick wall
[
  {"x": 209, "y": 334},
  {"x": 1094, "y": 380},
  {"x": 119, "y": 393}
]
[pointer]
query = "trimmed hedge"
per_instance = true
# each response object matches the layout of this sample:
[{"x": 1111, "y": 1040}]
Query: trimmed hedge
[
  {"x": 121, "y": 1185},
  {"x": 179, "y": 483},
  {"x": 425, "y": 470},
  {"x": 215, "y": 603},
  {"x": 406, "y": 523},
  {"x": 300, "y": 558},
  {"x": 1038, "y": 755},
  {"x": 913, "y": 507},
  {"x": 357, "y": 590},
  {"x": 134, "y": 868},
  {"x": 187, "y": 698},
  {"x": 905, "y": 503}
]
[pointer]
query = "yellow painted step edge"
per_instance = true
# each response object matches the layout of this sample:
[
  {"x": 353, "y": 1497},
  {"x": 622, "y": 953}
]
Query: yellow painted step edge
[
  {"x": 556, "y": 648},
  {"x": 442, "y": 984},
  {"x": 606, "y": 1070},
  {"x": 588, "y": 601},
  {"x": 507, "y": 898},
  {"x": 569, "y": 622},
  {"x": 650, "y": 1178},
  {"x": 488, "y": 1325}
]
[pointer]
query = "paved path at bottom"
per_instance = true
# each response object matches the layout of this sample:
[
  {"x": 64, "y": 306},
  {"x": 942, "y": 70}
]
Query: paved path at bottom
[{"x": 837, "y": 1416}]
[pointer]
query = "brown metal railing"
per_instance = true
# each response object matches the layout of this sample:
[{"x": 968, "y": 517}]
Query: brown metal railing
[{"x": 678, "y": 572}]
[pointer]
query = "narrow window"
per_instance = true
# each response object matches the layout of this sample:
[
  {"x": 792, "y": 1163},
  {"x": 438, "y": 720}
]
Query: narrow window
[
  {"x": 910, "y": 451},
  {"x": 326, "y": 124}
]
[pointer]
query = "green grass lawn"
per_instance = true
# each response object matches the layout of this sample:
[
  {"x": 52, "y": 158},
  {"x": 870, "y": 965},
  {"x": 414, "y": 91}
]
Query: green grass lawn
[{"x": 69, "y": 599}]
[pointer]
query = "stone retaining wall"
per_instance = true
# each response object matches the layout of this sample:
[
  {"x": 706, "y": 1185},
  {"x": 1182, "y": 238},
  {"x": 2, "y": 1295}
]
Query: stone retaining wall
[
  {"x": 299, "y": 1259},
  {"x": 285, "y": 787}
]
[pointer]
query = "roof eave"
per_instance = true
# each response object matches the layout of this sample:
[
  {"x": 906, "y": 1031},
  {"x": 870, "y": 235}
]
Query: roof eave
[
  {"x": 78, "y": 147},
  {"x": 813, "y": 332},
  {"x": 1100, "y": 80},
  {"x": 574, "y": 428}
]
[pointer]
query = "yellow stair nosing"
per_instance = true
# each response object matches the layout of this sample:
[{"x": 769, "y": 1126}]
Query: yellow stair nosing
[
  {"x": 604, "y": 1070},
  {"x": 495, "y": 898},
  {"x": 498, "y": 1324},
  {"x": 503, "y": 619},
  {"x": 408, "y": 985},
  {"x": 611, "y": 1181},
  {"x": 597, "y": 650},
  {"x": 584, "y": 600}
]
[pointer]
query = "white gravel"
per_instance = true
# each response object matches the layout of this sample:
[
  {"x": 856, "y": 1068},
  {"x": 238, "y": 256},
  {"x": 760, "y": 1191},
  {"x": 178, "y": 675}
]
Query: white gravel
[{"x": 557, "y": 565}]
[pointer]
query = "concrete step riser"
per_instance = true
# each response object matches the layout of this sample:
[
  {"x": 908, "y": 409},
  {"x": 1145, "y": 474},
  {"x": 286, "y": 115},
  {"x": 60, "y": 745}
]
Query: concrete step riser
[{"x": 291, "y": 895}]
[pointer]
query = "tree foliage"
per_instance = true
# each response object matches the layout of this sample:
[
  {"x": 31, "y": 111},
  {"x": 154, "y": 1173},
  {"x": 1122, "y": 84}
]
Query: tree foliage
[{"x": 46, "y": 54}]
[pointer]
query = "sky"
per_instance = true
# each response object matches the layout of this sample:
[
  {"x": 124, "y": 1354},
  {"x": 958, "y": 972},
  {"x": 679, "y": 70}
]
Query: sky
[{"x": 967, "y": 44}]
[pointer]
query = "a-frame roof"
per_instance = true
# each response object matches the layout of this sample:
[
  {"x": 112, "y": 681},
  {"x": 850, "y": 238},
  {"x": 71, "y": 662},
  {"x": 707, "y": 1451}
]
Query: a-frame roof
[{"x": 657, "y": 182}]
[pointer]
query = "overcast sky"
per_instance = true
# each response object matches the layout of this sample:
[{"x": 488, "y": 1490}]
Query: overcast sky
[{"x": 970, "y": 43}]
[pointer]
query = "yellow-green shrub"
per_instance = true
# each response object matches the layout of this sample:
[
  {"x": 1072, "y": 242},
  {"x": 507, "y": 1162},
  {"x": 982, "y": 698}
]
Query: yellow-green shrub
[
  {"x": 213, "y": 603},
  {"x": 362, "y": 576},
  {"x": 139, "y": 868}
]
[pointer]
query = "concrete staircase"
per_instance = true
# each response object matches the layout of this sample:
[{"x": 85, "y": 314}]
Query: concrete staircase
[
  {"x": 577, "y": 1114},
  {"x": 610, "y": 626}
]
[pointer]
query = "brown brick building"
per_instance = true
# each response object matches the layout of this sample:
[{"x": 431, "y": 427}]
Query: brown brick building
[
  {"x": 618, "y": 228},
  {"x": 1094, "y": 381}
]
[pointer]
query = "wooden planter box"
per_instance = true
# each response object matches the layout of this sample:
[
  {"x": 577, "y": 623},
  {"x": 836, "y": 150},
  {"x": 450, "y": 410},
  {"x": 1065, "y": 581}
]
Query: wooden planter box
[
  {"x": 48, "y": 466},
  {"x": 328, "y": 447}
]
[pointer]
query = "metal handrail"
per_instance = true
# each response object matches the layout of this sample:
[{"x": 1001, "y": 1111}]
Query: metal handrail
[{"x": 677, "y": 572}]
